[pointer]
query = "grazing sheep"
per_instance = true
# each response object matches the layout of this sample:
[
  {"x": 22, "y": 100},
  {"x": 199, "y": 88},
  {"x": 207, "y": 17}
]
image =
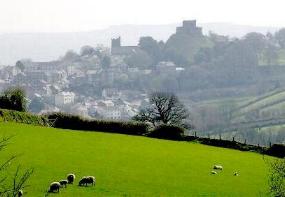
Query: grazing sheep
[
  {"x": 236, "y": 174},
  {"x": 70, "y": 178},
  {"x": 91, "y": 180},
  {"x": 83, "y": 181},
  {"x": 20, "y": 193},
  {"x": 63, "y": 183},
  {"x": 213, "y": 172},
  {"x": 218, "y": 167},
  {"x": 54, "y": 186},
  {"x": 87, "y": 180}
]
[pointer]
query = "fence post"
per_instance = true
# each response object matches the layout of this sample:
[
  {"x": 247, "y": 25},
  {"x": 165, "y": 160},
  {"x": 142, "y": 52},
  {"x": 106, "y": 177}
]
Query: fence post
[
  {"x": 244, "y": 141},
  {"x": 195, "y": 134},
  {"x": 270, "y": 144},
  {"x": 220, "y": 137},
  {"x": 233, "y": 139}
]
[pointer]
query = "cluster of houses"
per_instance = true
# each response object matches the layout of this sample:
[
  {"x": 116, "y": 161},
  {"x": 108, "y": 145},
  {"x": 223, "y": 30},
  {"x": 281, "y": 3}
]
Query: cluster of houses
[
  {"x": 83, "y": 85},
  {"x": 54, "y": 83}
]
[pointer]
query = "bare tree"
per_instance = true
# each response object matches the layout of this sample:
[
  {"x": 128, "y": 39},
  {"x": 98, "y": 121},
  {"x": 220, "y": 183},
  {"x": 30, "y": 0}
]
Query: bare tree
[
  {"x": 164, "y": 108},
  {"x": 18, "y": 181},
  {"x": 277, "y": 177}
]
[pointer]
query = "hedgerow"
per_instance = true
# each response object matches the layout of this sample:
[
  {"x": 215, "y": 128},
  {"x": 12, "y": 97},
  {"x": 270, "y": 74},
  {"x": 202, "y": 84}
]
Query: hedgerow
[
  {"x": 22, "y": 117},
  {"x": 67, "y": 121}
]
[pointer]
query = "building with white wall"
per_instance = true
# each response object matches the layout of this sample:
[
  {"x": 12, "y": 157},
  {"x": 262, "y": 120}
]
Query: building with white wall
[{"x": 64, "y": 98}]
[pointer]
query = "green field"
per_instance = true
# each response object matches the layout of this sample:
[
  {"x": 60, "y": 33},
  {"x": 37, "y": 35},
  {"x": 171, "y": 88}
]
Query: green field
[
  {"x": 269, "y": 102},
  {"x": 132, "y": 166}
]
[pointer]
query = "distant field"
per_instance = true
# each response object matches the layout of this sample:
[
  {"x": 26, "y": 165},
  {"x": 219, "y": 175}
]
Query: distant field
[
  {"x": 265, "y": 101},
  {"x": 132, "y": 166},
  {"x": 270, "y": 103}
]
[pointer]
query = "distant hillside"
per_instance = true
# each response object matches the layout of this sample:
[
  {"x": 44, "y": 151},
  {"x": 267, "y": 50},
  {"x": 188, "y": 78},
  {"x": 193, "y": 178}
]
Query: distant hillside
[
  {"x": 49, "y": 46},
  {"x": 266, "y": 106},
  {"x": 234, "y": 30}
]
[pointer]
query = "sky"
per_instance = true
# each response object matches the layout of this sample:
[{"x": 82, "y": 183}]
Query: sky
[{"x": 87, "y": 15}]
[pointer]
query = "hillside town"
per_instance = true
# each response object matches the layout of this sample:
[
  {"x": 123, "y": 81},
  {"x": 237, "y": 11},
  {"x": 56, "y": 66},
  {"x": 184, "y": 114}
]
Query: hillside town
[
  {"x": 86, "y": 84},
  {"x": 211, "y": 74},
  {"x": 138, "y": 98}
]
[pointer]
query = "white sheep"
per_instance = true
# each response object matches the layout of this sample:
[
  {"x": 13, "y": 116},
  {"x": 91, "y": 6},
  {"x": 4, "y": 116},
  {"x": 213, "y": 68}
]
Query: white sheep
[
  {"x": 83, "y": 181},
  {"x": 213, "y": 172},
  {"x": 54, "y": 186},
  {"x": 236, "y": 174},
  {"x": 70, "y": 178},
  {"x": 20, "y": 193},
  {"x": 218, "y": 167},
  {"x": 91, "y": 180},
  {"x": 87, "y": 180},
  {"x": 63, "y": 182}
]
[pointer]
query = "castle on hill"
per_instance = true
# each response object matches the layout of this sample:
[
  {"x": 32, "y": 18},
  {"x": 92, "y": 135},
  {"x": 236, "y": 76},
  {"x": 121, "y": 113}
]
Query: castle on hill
[
  {"x": 188, "y": 27},
  {"x": 118, "y": 49}
]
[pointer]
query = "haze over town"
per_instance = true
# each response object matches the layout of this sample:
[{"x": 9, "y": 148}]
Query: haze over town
[
  {"x": 87, "y": 15},
  {"x": 205, "y": 78}
]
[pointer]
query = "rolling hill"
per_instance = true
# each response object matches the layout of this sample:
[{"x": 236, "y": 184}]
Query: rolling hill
[
  {"x": 270, "y": 103},
  {"x": 131, "y": 166}
]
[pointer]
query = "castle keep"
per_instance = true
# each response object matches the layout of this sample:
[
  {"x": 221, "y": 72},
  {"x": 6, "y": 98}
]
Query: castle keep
[{"x": 189, "y": 27}]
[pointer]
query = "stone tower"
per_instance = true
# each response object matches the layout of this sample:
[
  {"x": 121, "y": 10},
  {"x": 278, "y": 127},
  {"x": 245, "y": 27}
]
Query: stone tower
[
  {"x": 116, "y": 42},
  {"x": 189, "y": 27}
]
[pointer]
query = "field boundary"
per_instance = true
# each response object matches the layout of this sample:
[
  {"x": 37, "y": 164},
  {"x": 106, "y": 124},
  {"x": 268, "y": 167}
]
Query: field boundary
[
  {"x": 65, "y": 121},
  {"x": 22, "y": 117}
]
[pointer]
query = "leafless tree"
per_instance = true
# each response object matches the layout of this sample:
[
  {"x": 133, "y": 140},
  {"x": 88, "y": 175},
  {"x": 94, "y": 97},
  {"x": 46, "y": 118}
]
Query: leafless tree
[
  {"x": 277, "y": 177},
  {"x": 164, "y": 108},
  {"x": 18, "y": 181}
]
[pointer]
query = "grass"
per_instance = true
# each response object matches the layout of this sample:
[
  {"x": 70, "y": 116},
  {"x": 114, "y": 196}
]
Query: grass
[{"x": 131, "y": 165}]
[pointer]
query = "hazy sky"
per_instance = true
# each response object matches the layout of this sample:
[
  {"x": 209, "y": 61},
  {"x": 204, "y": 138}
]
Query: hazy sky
[{"x": 81, "y": 15}]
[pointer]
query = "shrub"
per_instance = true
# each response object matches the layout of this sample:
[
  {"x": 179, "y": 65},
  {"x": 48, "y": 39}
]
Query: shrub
[
  {"x": 229, "y": 144},
  {"x": 170, "y": 132},
  {"x": 277, "y": 150},
  {"x": 66, "y": 121},
  {"x": 22, "y": 117},
  {"x": 13, "y": 99}
]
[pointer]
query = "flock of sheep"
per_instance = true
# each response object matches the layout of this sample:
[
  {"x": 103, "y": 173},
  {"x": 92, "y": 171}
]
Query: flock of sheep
[
  {"x": 219, "y": 167},
  {"x": 55, "y": 186}
]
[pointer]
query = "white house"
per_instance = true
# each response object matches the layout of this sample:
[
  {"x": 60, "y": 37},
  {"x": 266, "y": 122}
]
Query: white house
[
  {"x": 112, "y": 113},
  {"x": 166, "y": 67},
  {"x": 64, "y": 98}
]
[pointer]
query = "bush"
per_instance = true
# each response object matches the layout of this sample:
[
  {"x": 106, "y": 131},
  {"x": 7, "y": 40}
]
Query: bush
[
  {"x": 228, "y": 144},
  {"x": 22, "y": 117},
  {"x": 277, "y": 150},
  {"x": 66, "y": 121},
  {"x": 13, "y": 99},
  {"x": 170, "y": 132}
]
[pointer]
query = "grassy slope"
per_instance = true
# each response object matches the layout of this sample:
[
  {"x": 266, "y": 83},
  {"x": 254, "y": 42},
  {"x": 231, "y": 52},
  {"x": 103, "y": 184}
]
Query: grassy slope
[
  {"x": 132, "y": 166},
  {"x": 266, "y": 103}
]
